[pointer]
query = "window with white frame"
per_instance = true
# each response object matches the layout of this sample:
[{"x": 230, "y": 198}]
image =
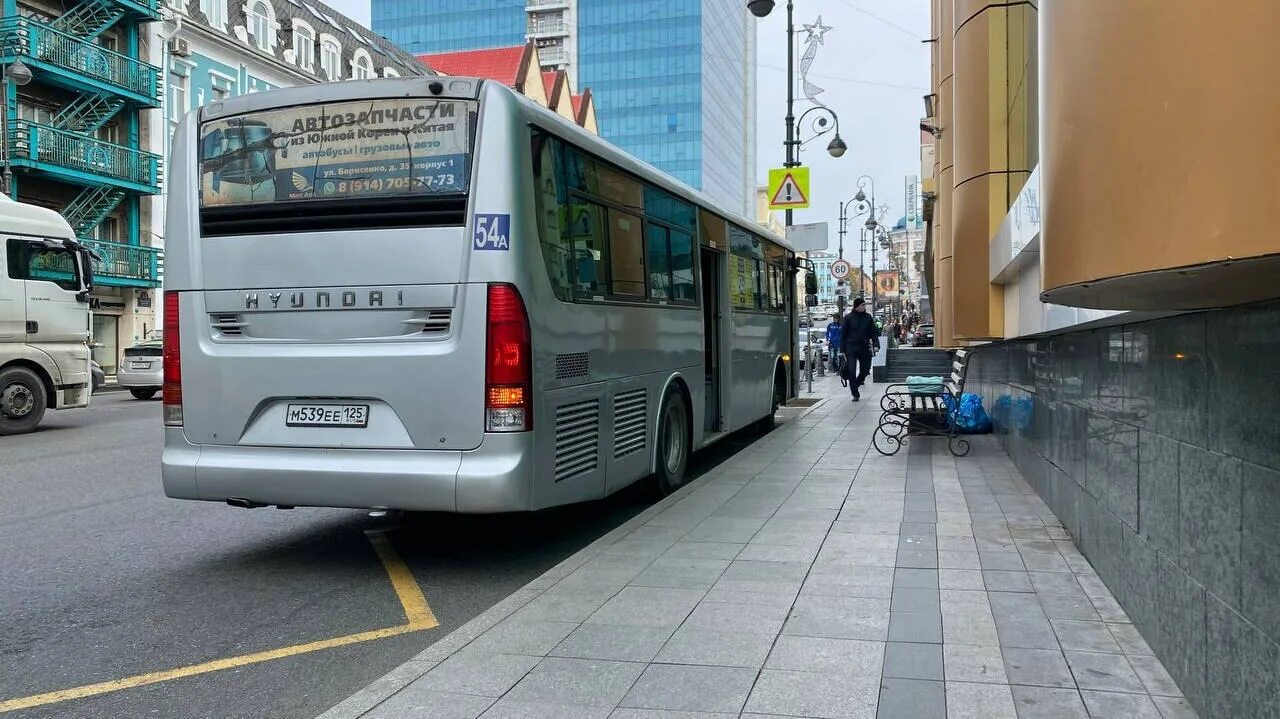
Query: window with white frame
[
  {"x": 261, "y": 19},
  {"x": 216, "y": 12},
  {"x": 178, "y": 99},
  {"x": 330, "y": 57},
  {"x": 304, "y": 45},
  {"x": 390, "y": 72},
  {"x": 361, "y": 65}
]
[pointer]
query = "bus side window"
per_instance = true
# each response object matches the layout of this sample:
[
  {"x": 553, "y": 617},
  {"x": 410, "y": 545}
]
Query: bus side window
[
  {"x": 555, "y": 216},
  {"x": 682, "y": 267},
  {"x": 588, "y": 231}
]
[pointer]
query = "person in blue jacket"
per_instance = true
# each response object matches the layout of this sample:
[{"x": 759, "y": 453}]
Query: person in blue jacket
[{"x": 833, "y": 340}]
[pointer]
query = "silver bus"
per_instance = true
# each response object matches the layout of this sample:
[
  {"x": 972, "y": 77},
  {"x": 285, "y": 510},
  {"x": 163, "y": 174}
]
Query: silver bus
[{"x": 432, "y": 294}]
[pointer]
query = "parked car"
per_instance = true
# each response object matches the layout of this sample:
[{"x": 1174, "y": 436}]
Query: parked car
[
  {"x": 142, "y": 370},
  {"x": 820, "y": 348},
  {"x": 99, "y": 377},
  {"x": 923, "y": 336}
]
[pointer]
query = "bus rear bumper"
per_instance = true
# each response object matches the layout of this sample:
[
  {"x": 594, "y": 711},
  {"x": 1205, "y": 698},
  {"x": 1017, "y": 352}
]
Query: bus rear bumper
[{"x": 496, "y": 477}]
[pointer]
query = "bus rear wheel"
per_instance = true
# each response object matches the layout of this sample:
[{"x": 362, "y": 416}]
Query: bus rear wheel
[
  {"x": 779, "y": 398},
  {"x": 673, "y": 443},
  {"x": 22, "y": 400}
]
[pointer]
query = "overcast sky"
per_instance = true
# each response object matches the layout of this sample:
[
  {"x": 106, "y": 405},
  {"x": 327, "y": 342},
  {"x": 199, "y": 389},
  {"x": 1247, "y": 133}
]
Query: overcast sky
[{"x": 874, "y": 69}]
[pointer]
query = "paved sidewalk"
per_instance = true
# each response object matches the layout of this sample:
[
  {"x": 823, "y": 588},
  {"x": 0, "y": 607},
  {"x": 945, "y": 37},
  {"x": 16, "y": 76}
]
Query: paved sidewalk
[{"x": 807, "y": 576}]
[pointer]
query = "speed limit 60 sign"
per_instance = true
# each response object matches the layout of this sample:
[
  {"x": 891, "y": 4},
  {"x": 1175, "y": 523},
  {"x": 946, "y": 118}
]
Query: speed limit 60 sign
[{"x": 840, "y": 269}]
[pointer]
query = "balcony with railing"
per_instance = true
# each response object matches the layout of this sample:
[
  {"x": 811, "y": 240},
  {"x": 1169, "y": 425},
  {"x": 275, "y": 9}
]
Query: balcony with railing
[
  {"x": 119, "y": 265},
  {"x": 548, "y": 28},
  {"x": 80, "y": 159},
  {"x": 125, "y": 265},
  {"x": 142, "y": 9},
  {"x": 552, "y": 55},
  {"x": 76, "y": 64}
]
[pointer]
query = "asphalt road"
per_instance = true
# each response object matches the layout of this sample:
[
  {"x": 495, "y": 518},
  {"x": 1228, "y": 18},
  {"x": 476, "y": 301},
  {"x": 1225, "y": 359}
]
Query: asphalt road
[{"x": 102, "y": 578}]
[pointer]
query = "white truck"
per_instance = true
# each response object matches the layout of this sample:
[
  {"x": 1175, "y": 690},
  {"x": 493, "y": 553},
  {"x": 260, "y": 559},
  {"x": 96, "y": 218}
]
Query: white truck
[{"x": 45, "y": 278}]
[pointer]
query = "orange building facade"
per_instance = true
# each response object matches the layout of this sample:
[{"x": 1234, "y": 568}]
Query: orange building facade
[{"x": 1101, "y": 176}]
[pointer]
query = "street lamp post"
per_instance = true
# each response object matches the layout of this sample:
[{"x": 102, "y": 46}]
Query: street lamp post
[
  {"x": 793, "y": 143},
  {"x": 844, "y": 219},
  {"x": 19, "y": 74},
  {"x": 837, "y": 146}
]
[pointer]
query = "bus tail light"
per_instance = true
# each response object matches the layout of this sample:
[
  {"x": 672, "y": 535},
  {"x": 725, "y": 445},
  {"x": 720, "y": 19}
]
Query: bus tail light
[
  {"x": 172, "y": 390},
  {"x": 508, "y": 373}
]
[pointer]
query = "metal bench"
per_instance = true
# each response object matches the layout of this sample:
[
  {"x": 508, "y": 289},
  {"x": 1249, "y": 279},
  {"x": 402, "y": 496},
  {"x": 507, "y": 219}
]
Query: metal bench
[{"x": 909, "y": 410}]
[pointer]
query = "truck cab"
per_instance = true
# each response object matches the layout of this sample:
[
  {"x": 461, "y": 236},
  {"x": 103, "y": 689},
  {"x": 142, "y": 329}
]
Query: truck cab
[{"x": 45, "y": 278}]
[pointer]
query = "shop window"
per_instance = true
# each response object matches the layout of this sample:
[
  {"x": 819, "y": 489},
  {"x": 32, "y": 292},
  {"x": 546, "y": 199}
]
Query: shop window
[{"x": 106, "y": 342}]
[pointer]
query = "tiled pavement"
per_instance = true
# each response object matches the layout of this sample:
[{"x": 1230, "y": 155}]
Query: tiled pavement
[{"x": 807, "y": 576}]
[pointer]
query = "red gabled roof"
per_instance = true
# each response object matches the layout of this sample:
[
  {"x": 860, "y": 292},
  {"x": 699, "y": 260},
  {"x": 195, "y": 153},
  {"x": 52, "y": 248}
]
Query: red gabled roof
[
  {"x": 549, "y": 82},
  {"x": 502, "y": 64},
  {"x": 580, "y": 104}
]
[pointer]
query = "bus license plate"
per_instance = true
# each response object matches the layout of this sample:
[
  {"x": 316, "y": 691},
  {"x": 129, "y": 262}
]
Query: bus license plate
[{"x": 327, "y": 415}]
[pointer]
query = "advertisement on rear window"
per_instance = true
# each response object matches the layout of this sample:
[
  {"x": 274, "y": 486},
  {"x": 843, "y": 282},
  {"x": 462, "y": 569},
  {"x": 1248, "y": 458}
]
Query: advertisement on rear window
[{"x": 365, "y": 149}]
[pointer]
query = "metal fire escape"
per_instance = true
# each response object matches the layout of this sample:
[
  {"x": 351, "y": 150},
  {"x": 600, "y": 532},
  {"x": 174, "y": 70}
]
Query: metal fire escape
[{"x": 67, "y": 53}]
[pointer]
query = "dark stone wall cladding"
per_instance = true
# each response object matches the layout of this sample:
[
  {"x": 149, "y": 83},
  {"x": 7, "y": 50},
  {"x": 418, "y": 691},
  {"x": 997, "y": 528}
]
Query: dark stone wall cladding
[{"x": 1157, "y": 444}]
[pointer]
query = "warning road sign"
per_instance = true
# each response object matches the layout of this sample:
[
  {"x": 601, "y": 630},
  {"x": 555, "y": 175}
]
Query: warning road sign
[
  {"x": 789, "y": 188},
  {"x": 840, "y": 269}
]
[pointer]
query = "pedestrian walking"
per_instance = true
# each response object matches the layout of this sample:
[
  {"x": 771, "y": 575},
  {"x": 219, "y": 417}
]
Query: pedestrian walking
[
  {"x": 860, "y": 339},
  {"x": 833, "y": 341}
]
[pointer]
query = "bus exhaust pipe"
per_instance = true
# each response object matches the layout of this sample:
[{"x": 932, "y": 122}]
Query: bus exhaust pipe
[{"x": 243, "y": 503}]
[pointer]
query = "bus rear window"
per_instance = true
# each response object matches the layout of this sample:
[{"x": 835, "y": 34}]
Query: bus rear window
[{"x": 369, "y": 149}]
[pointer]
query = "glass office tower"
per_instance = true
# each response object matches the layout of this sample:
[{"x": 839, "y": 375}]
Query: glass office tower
[
  {"x": 673, "y": 81},
  {"x": 426, "y": 26}
]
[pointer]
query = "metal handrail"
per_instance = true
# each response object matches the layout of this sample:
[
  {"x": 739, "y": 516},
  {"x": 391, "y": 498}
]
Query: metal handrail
[
  {"x": 42, "y": 143},
  {"x": 135, "y": 262},
  {"x": 42, "y": 42}
]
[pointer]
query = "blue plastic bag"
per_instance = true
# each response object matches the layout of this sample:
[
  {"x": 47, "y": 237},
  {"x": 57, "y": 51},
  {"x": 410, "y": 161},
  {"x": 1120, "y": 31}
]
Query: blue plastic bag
[{"x": 968, "y": 415}]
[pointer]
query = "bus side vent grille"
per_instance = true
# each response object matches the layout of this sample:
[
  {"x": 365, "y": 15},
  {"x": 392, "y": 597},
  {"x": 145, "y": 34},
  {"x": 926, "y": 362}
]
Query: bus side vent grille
[
  {"x": 571, "y": 365},
  {"x": 437, "y": 322},
  {"x": 227, "y": 325},
  {"x": 630, "y": 413},
  {"x": 577, "y": 439}
]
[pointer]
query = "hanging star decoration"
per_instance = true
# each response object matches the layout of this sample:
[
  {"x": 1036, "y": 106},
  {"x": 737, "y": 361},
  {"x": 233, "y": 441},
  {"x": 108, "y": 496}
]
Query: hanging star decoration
[{"x": 812, "y": 40}]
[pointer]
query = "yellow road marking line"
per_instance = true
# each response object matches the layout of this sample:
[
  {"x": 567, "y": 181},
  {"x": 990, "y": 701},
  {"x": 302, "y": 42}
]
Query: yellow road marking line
[
  {"x": 416, "y": 610},
  {"x": 138, "y": 680}
]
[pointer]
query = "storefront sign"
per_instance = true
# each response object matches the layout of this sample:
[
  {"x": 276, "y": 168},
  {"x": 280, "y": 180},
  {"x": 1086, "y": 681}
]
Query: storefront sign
[{"x": 913, "y": 213}]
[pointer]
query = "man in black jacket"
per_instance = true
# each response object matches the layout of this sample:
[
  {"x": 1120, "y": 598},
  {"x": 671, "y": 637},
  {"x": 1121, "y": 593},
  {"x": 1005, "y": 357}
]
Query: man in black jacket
[{"x": 858, "y": 334}]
